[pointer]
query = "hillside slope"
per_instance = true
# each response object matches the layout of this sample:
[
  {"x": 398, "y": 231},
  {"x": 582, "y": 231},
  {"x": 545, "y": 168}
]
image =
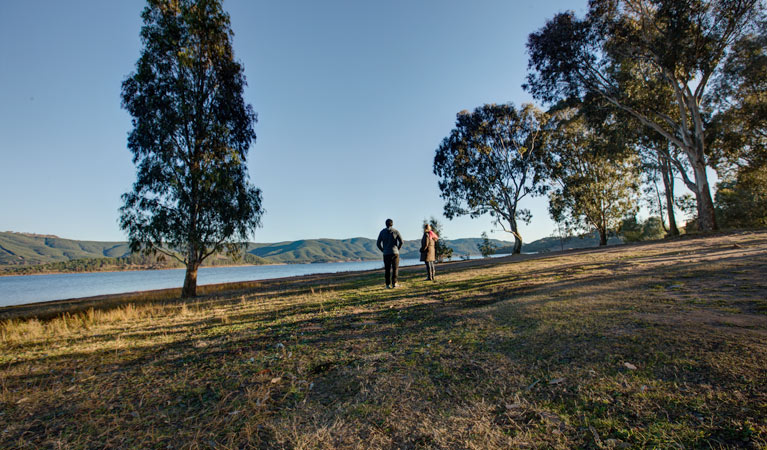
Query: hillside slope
[{"x": 23, "y": 248}]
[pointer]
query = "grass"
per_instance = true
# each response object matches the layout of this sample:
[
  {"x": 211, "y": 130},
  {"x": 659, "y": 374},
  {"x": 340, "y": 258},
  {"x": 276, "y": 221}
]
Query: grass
[{"x": 647, "y": 346}]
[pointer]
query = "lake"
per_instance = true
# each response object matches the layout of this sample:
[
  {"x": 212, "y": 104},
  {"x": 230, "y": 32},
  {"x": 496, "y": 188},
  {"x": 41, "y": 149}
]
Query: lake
[{"x": 18, "y": 290}]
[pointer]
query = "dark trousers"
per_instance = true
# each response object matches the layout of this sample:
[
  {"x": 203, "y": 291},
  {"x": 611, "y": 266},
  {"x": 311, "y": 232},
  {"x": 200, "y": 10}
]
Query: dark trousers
[
  {"x": 429, "y": 270},
  {"x": 391, "y": 267}
]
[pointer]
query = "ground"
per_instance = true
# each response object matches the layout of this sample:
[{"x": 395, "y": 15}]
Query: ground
[{"x": 659, "y": 345}]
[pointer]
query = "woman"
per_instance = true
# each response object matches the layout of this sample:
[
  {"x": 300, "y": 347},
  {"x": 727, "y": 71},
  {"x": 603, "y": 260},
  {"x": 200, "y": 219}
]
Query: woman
[{"x": 428, "y": 252}]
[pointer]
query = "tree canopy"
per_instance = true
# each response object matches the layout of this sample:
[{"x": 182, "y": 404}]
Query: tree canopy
[
  {"x": 490, "y": 161},
  {"x": 639, "y": 55},
  {"x": 594, "y": 185},
  {"x": 191, "y": 133}
]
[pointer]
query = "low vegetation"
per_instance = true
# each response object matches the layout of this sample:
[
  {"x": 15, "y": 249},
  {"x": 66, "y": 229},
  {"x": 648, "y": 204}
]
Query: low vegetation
[{"x": 646, "y": 345}]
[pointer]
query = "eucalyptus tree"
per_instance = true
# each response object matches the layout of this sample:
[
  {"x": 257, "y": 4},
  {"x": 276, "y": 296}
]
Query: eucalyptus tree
[
  {"x": 594, "y": 184},
  {"x": 739, "y": 127},
  {"x": 191, "y": 133},
  {"x": 492, "y": 160},
  {"x": 627, "y": 47},
  {"x": 658, "y": 159}
]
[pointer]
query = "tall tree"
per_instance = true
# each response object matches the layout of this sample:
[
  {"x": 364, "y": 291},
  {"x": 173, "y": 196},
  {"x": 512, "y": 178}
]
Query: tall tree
[
  {"x": 658, "y": 161},
  {"x": 593, "y": 184},
  {"x": 191, "y": 133},
  {"x": 491, "y": 161},
  {"x": 627, "y": 46}
]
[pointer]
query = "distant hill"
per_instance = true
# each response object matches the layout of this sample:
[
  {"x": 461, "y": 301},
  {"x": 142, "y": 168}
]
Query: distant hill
[
  {"x": 24, "y": 248},
  {"x": 354, "y": 249},
  {"x": 52, "y": 253}
]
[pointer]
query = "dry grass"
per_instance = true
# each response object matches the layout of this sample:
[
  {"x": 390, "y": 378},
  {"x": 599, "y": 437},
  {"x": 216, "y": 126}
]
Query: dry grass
[{"x": 650, "y": 346}]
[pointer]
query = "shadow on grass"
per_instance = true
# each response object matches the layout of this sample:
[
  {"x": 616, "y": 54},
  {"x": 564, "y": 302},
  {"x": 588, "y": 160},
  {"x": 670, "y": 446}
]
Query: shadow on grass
[{"x": 556, "y": 344}]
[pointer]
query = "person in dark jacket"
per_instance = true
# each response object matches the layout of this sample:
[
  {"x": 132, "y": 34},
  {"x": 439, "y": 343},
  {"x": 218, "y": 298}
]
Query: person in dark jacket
[
  {"x": 428, "y": 251},
  {"x": 389, "y": 242}
]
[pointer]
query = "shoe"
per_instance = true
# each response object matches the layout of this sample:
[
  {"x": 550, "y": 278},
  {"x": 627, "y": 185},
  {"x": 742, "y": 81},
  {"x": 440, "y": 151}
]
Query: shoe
[
  {"x": 395, "y": 285},
  {"x": 388, "y": 287}
]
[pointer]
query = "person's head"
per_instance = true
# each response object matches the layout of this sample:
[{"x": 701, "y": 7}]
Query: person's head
[
  {"x": 426, "y": 227},
  {"x": 389, "y": 222}
]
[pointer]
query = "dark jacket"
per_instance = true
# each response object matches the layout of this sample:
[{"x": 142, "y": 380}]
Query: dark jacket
[
  {"x": 389, "y": 241},
  {"x": 428, "y": 251}
]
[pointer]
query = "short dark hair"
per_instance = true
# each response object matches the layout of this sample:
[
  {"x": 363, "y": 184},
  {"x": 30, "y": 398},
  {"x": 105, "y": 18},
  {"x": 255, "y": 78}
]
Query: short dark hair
[{"x": 389, "y": 222}]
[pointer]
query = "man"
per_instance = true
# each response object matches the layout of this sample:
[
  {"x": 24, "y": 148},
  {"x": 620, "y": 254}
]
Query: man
[{"x": 389, "y": 242}]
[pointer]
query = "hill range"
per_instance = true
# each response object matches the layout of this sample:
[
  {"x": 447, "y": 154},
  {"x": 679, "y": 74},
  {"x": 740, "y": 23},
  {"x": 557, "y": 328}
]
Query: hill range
[{"x": 25, "y": 249}]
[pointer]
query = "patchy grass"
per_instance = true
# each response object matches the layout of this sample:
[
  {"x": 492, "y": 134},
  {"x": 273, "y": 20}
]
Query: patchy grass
[{"x": 657, "y": 346}]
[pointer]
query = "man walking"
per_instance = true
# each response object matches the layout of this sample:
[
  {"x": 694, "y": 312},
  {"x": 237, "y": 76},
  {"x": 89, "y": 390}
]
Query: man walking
[{"x": 389, "y": 242}]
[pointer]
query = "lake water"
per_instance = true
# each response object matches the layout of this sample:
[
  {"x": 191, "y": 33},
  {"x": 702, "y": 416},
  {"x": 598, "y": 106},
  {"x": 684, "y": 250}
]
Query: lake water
[{"x": 17, "y": 290}]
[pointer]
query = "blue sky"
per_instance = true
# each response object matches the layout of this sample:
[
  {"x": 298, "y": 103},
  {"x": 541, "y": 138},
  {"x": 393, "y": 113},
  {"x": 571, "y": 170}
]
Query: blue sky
[{"x": 353, "y": 99}]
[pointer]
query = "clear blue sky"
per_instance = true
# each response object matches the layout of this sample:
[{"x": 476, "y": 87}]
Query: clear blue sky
[{"x": 353, "y": 98}]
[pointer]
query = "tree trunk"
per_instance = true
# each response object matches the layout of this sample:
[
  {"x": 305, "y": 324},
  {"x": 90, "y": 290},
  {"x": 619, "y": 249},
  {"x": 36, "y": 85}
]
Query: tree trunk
[
  {"x": 706, "y": 217},
  {"x": 190, "y": 280},
  {"x": 517, "y": 241},
  {"x": 602, "y": 237},
  {"x": 668, "y": 186}
]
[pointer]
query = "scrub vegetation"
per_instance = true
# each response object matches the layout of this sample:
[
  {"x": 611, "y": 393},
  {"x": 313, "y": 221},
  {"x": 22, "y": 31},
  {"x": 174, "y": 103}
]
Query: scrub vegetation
[{"x": 650, "y": 345}]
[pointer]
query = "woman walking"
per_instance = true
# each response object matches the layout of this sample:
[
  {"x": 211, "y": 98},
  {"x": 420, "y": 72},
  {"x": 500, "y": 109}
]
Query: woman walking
[{"x": 428, "y": 252}]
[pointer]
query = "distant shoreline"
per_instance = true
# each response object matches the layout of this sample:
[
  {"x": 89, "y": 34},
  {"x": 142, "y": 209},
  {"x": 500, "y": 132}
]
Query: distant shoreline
[{"x": 127, "y": 269}]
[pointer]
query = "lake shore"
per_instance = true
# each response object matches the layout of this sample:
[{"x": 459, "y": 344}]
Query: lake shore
[
  {"x": 633, "y": 346},
  {"x": 3, "y": 273}
]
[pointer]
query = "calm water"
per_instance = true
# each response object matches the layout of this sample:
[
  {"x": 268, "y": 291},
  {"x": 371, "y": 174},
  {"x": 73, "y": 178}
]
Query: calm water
[{"x": 18, "y": 290}]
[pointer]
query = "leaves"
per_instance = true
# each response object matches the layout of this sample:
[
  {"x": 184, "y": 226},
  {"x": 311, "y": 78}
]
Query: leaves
[
  {"x": 640, "y": 58},
  {"x": 190, "y": 138},
  {"x": 490, "y": 161}
]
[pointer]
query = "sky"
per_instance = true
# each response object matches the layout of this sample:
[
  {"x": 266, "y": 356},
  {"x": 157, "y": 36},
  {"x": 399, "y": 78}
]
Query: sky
[{"x": 353, "y": 98}]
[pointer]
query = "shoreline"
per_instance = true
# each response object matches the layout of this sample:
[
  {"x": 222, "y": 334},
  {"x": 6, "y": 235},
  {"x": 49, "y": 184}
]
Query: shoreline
[
  {"x": 52, "y": 308},
  {"x": 3, "y": 274}
]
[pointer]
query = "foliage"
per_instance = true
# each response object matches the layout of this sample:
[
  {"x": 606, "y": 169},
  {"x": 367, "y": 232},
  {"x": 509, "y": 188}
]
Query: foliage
[
  {"x": 633, "y": 230},
  {"x": 742, "y": 201},
  {"x": 442, "y": 250},
  {"x": 638, "y": 55},
  {"x": 659, "y": 163},
  {"x": 490, "y": 162},
  {"x": 738, "y": 131},
  {"x": 486, "y": 248},
  {"x": 190, "y": 138},
  {"x": 594, "y": 184}
]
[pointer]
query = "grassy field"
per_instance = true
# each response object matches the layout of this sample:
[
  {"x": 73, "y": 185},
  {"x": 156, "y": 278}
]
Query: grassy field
[{"x": 661, "y": 345}]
